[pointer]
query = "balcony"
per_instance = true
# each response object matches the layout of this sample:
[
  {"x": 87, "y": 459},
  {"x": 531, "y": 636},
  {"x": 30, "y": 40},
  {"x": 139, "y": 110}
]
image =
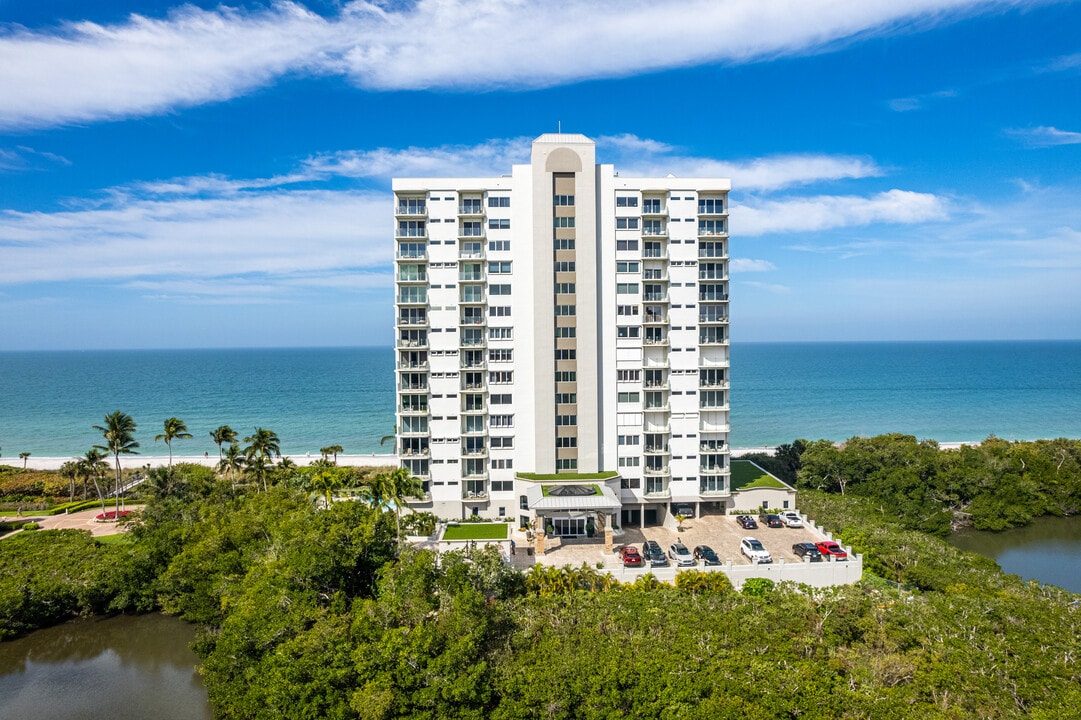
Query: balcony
[
  {"x": 413, "y": 410},
  {"x": 411, "y": 210},
  {"x": 474, "y": 343},
  {"x": 472, "y": 320},
  {"x": 471, "y": 208},
  {"x": 467, "y": 364},
  {"x": 423, "y": 366},
  {"x": 413, "y": 432},
  {"x": 706, "y": 491},
  {"x": 413, "y": 321},
  {"x": 713, "y": 384},
  {"x": 413, "y": 387},
  {"x": 471, "y": 253},
  {"x": 712, "y": 230},
  {"x": 421, "y": 254},
  {"x": 478, "y": 409},
  {"x": 654, "y": 319},
  {"x": 414, "y": 452},
  {"x": 413, "y": 299},
  {"x": 661, "y": 232},
  {"x": 471, "y": 277},
  {"x": 655, "y": 297},
  {"x": 712, "y": 319},
  {"x": 657, "y": 362},
  {"x": 417, "y": 232},
  {"x": 475, "y": 431},
  {"x": 657, "y": 493},
  {"x": 708, "y": 427},
  {"x": 662, "y": 408},
  {"x": 412, "y": 343},
  {"x": 712, "y": 297},
  {"x": 479, "y": 494},
  {"x": 656, "y": 450},
  {"x": 475, "y": 452},
  {"x": 712, "y": 446},
  {"x": 424, "y": 497},
  {"x": 712, "y": 340}
]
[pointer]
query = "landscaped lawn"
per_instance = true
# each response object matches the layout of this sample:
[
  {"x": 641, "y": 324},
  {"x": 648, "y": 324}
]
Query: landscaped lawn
[
  {"x": 747, "y": 475},
  {"x": 477, "y": 531}
]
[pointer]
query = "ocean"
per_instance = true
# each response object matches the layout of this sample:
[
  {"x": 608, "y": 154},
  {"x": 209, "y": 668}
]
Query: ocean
[{"x": 315, "y": 397}]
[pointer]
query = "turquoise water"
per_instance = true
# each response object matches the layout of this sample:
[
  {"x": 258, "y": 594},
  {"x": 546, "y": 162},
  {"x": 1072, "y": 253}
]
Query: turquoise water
[{"x": 325, "y": 396}]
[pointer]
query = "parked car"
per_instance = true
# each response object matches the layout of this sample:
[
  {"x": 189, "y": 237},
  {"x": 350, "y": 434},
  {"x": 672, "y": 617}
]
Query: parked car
[
  {"x": 791, "y": 519},
  {"x": 681, "y": 555},
  {"x": 832, "y": 549},
  {"x": 653, "y": 554},
  {"x": 770, "y": 520},
  {"x": 630, "y": 557},
  {"x": 807, "y": 551},
  {"x": 746, "y": 522},
  {"x": 683, "y": 509},
  {"x": 706, "y": 555},
  {"x": 754, "y": 550}
]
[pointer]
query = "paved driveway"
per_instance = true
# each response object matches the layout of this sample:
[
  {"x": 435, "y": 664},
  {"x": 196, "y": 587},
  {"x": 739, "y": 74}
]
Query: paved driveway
[{"x": 82, "y": 520}]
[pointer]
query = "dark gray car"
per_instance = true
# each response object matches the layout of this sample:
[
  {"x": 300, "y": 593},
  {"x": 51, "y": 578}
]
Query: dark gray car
[
  {"x": 654, "y": 554},
  {"x": 808, "y": 551}
]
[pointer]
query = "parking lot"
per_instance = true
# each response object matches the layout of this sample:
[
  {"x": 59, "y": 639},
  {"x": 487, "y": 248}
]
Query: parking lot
[{"x": 720, "y": 532}]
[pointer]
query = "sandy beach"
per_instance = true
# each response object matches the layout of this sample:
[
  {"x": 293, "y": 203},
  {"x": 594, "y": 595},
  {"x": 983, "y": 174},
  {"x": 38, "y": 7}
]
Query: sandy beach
[
  {"x": 379, "y": 459},
  {"x": 137, "y": 461}
]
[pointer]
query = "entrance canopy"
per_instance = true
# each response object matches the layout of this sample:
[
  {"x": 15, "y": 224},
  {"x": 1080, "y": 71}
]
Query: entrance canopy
[{"x": 563, "y": 497}]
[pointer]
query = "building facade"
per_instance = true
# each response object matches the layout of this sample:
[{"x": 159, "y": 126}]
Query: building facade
[{"x": 562, "y": 342}]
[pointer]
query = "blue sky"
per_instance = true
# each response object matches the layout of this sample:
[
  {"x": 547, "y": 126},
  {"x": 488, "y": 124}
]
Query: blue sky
[{"x": 204, "y": 175}]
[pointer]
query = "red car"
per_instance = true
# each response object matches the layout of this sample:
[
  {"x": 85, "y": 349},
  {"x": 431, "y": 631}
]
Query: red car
[
  {"x": 831, "y": 549},
  {"x": 630, "y": 557}
]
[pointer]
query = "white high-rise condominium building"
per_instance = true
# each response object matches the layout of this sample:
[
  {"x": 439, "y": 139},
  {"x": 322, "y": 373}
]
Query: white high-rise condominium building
[{"x": 562, "y": 341}]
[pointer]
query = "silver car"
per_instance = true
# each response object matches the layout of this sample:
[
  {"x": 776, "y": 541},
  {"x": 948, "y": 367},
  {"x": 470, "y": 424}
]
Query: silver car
[
  {"x": 681, "y": 555},
  {"x": 754, "y": 550}
]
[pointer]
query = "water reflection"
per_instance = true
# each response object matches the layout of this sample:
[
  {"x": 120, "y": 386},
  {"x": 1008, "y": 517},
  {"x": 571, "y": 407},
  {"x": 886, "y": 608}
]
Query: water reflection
[
  {"x": 115, "y": 668},
  {"x": 1048, "y": 550}
]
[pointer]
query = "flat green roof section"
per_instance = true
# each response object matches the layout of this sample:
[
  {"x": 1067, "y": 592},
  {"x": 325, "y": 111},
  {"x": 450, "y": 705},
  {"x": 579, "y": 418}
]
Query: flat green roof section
[
  {"x": 476, "y": 531},
  {"x": 747, "y": 476},
  {"x": 569, "y": 477}
]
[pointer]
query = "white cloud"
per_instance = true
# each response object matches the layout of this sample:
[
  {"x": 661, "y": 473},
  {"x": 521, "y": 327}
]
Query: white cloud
[
  {"x": 835, "y": 211},
  {"x": 300, "y": 237},
  {"x": 87, "y": 71},
  {"x": 1045, "y": 136},
  {"x": 493, "y": 157},
  {"x": 27, "y": 158},
  {"x": 773, "y": 288},
  {"x": 749, "y": 265},
  {"x": 919, "y": 102}
]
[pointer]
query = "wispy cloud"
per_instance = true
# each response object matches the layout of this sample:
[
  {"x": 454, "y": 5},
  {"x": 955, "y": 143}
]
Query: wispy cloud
[
  {"x": 775, "y": 288},
  {"x": 919, "y": 102},
  {"x": 27, "y": 158},
  {"x": 824, "y": 212},
  {"x": 86, "y": 71},
  {"x": 743, "y": 265},
  {"x": 1045, "y": 136}
]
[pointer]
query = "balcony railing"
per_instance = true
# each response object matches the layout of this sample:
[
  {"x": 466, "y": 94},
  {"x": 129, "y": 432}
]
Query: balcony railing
[
  {"x": 658, "y": 493},
  {"x": 412, "y": 255},
  {"x": 471, "y": 209},
  {"x": 424, "y": 497},
  {"x": 413, "y": 365},
  {"x": 406, "y": 343},
  {"x": 411, "y": 233},
  {"x": 412, "y": 210},
  {"x": 413, "y": 321}
]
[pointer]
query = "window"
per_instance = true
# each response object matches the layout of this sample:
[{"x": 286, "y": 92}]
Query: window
[
  {"x": 563, "y": 200},
  {"x": 563, "y": 222},
  {"x": 502, "y": 355},
  {"x": 627, "y": 201},
  {"x": 498, "y": 201},
  {"x": 628, "y": 375},
  {"x": 501, "y": 485},
  {"x": 499, "y": 223},
  {"x": 499, "y": 246},
  {"x": 565, "y": 354},
  {"x": 631, "y": 245},
  {"x": 711, "y": 227},
  {"x": 566, "y": 398},
  {"x": 501, "y": 377},
  {"x": 472, "y": 423},
  {"x": 629, "y": 461},
  {"x": 412, "y": 250},
  {"x": 627, "y": 310},
  {"x": 710, "y": 206},
  {"x": 566, "y": 464},
  {"x": 564, "y": 243},
  {"x": 499, "y": 333},
  {"x": 566, "y": 376},
  {"x": 411, "y": 206},
  {"x": 499, "y": 311},
  {"x": 565, "y": 310},
  {"x": 501, "y": 399},
  {"x": 629, "y": 439},
  {"x": 523, "y": 502},
  {"x": 499, "y": 268},
  {"x": 628, "y": 331},
  {"x": 564, "y": 288},
  {"x": 499, "y": 289},
  {"x": 470, "y": 229},
  {"x": 627, "y": 288},
  {"x": 566, "y": 442},
  {"x": 470, "y": 206},
  {"x": 564, "y": 266},
  {"x": 711, "y": 249},
  {"x": 503, "y": 442},
  {"x": 624, "y": 267},
  {"x": 629, "y": 397},
  {"x": 501, "y": 421},
  {"x": 565, "y": 332},
  {"x": 411, "y": 228},
  {"x": 651, "y": 205},
  {"x": 626, "y": 223}
]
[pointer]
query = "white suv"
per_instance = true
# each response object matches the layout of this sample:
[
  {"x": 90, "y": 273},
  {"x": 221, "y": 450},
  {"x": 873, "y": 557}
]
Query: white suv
[{"x": 754, "y": 550}]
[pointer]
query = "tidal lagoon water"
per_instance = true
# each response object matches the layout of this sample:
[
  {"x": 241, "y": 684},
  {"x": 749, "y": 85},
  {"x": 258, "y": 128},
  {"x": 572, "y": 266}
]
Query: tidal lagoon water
[
  {"x": 1048, "y": 550},
  {"x": 120, "y": 668}
]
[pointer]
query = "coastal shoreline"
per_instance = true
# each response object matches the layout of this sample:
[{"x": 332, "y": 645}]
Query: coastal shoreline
[{"x": 373, "y": 459}]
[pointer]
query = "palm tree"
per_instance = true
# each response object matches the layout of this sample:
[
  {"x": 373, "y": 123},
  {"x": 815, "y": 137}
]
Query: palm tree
[
  {"x": 393, "y": 487},
  {"x": 24, "y": 456},
  {"x": 70, "y": 470},
  {"x": 175, "y": 429},
  {"x": 256, "y": 466},
  {"x": 325, "y": 480},
  {"x": 393, "y": 437},
  {"x": 93, "y": 466},
  {"x": 232, "y": 462},
  {"x": 223, "y": 434},
  {"x": 263, "y": 447},
  {"x": 119, "y": 434},
  {"x": 331, "y": 450}
]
